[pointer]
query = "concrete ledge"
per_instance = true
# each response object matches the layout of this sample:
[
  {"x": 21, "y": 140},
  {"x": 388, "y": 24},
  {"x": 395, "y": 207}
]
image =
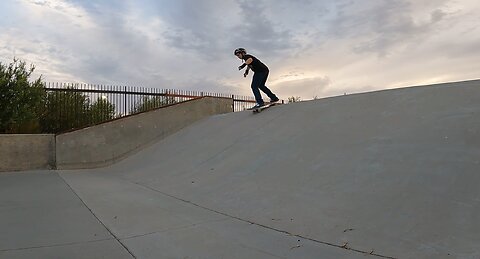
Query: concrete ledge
[
  {"x": 110, "y": 142},
  {"x": 27, "y": 152}
]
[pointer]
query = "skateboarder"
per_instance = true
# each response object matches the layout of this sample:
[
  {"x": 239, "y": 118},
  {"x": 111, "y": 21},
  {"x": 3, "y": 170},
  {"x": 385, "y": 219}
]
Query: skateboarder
[{"x": 259, "y": 77}]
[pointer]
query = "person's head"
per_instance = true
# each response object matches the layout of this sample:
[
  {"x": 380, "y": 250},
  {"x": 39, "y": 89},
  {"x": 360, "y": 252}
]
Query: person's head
[{"x": 240, "y": 52}]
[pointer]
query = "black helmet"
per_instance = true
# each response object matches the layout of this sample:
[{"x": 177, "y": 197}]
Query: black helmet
[{"x": 240, "y": 50}]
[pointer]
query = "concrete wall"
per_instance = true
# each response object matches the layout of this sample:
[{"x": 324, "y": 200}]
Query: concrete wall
[
  {"x": 26, "y": 152},
  {"x": 112, "y": 141}
]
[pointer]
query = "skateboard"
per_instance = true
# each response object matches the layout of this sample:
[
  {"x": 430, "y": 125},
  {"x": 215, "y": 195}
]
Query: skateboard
[{"x": 260, "y": 109}]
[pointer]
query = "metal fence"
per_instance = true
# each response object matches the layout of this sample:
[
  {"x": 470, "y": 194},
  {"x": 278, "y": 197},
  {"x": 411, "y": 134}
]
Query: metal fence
[{"x": 72, "y": 106}]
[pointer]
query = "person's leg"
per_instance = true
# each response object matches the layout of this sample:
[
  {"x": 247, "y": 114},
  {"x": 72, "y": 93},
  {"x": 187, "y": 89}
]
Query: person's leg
[
  {"x": 264, "y": 88},
  {"x": 256, "y": 83}
]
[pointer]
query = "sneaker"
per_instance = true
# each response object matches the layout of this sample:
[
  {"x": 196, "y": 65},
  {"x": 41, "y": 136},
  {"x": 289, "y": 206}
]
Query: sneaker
[
  {"x": 274, "y": 100},
  {"x": 258, "y": 106}
]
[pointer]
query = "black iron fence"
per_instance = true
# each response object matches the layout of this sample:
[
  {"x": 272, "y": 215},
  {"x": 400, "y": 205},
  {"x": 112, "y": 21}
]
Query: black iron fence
[{"x": 72, "y": 106}]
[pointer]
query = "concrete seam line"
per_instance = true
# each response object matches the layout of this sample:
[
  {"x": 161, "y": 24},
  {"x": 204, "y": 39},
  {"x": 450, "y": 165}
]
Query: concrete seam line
[
  {"x": 55, "y": 245},
  {"x": 177, "y": 228},
  {"x": 264, "y": 226},
  {"x": 91, "y": 211},
  {"x": 54, "y": 152}
]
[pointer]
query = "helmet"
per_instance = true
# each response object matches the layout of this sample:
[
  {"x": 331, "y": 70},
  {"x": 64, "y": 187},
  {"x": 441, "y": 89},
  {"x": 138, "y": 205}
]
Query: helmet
[{"x": 240, "y": 50}]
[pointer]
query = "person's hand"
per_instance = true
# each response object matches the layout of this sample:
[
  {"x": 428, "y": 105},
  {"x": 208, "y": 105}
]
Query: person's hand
[
  {"x": 245, "y": 74},
  {"x": 242, "y": 66}
]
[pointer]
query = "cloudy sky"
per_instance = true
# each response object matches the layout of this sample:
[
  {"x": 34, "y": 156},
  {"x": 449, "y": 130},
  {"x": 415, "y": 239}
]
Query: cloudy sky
[{"x": 312, "y": 47}]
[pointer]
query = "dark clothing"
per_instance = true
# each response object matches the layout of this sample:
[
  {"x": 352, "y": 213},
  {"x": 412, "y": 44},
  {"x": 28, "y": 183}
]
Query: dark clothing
[
  {"x": 259, "y": 79},
  {"x": 258, "y": 83},
  {"x": 256, "y": 65}
]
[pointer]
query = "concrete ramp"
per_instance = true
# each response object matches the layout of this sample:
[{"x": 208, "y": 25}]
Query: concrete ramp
[{"x": 391, "y": 174}]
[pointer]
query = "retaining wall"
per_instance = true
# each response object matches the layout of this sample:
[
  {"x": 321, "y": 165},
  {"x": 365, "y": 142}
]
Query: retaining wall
[
  {"x": 112, "y": 141},
  {"x": 107, "y": 143},
  {"x": 27, "y": 152}
]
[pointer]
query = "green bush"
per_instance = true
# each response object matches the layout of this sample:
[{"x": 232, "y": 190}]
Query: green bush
[
  {"x": 26, "y": 107},
  {"x": 22, "y": 103}
]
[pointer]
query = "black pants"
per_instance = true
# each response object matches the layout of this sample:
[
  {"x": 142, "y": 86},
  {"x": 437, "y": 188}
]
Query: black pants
[{"x": 258, "y": 83}]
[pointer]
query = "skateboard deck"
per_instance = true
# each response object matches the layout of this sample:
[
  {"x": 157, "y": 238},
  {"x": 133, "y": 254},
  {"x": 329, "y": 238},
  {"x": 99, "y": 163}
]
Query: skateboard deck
[{"x": 259, "y": 110}]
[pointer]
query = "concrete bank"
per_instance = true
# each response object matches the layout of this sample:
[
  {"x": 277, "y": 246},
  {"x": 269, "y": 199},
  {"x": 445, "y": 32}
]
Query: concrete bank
[
  {"x": 110, "y": 142},
  {"x": 106, "y": 143}
]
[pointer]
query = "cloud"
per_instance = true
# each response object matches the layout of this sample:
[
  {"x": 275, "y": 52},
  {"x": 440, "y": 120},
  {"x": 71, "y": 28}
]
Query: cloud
[
  {"x": 62, "y": 11},
  {"x": 257, "y": 32},
  {"x": 311, "y": 47},
  {"x": 199, "y": 27},
  {"x": 107, "y": 51},
  {"x": 383, "y": 26},
  {"x": 294, "y": 85}
]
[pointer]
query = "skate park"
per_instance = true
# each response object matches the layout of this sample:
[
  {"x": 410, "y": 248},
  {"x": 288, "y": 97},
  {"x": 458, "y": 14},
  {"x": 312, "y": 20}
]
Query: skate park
[{"x": 385, "y": 174}]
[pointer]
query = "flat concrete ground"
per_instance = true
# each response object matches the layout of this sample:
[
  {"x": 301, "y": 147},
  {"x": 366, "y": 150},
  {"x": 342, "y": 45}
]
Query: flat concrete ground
[
  {"x": 42, "y": 217},
  {"x": 44, "y": 214},
  {"x": 392, "y": 174}
]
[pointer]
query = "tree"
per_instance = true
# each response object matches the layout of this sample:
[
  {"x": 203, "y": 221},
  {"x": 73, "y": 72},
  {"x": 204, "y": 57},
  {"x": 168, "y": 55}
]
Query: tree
[
  {"x": 102, "y": 110},
  {"x": 149, "y": 103},
  {"x": 66, "y": 109},
  {"x": 22, "y": 103}
]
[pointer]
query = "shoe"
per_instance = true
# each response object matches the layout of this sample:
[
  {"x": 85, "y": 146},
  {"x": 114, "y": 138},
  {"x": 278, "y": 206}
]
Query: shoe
[
  {"x": 274, "y": 100},
  {"x": 257, "y": 106}
]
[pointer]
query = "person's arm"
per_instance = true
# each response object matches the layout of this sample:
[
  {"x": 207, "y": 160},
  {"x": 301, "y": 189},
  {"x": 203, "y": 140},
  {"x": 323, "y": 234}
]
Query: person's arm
[
  {"x": 246, "y": 72},
  {"x": 247, "y": 62}
]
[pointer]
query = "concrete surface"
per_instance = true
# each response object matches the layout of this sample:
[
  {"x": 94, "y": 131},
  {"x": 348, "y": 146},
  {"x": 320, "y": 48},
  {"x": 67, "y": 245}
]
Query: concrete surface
[
  {"x": 41, "y": 217},
  {"x": 26, "y": 152},
  {"x": 110, "y": 142},
  {"x": 390, "y": 174}
]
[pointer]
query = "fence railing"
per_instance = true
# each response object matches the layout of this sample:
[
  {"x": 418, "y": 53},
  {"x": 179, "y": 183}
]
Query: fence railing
[{"x": 71, "y": 106}]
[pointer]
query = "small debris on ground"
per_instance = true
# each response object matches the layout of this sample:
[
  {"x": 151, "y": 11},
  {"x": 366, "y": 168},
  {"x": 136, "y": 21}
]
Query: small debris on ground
[{"x": 297, "y": 246}]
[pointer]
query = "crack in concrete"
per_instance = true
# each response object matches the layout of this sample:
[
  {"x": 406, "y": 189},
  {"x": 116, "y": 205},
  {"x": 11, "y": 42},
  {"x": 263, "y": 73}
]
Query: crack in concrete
[
  {"x": 55, "y": 245},
  {"x": 176, "y": 228},
  {"x": 91, "y": 211},
  {"x": 267, "y": 227}
]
